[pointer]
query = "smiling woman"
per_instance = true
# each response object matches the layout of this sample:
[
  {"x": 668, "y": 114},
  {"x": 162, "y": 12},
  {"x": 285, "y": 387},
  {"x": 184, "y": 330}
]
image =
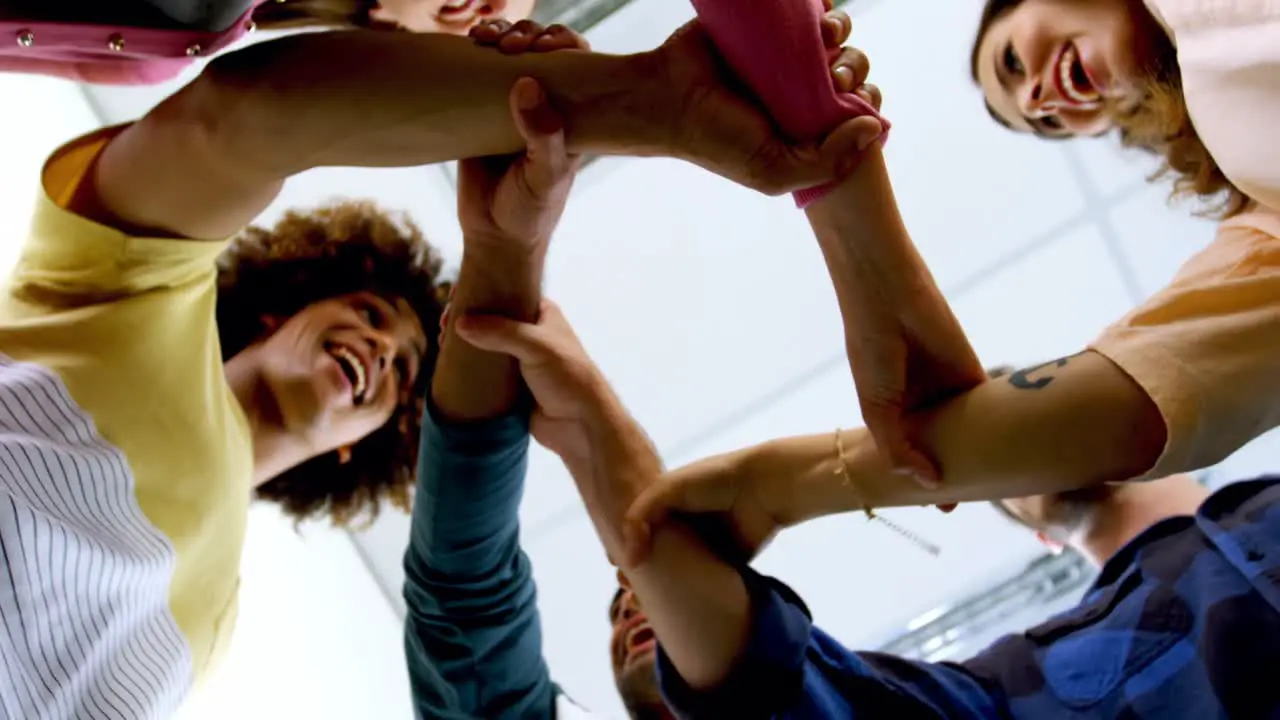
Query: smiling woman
[
  {"x": 1067, "y": 68},
  {"x": 333, "y": 303}
]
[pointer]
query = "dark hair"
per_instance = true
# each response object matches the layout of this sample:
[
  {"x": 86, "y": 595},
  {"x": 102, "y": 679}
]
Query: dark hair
[
  {"x": 336, "y": 250},
  {"x": 1160, "y": 125}
]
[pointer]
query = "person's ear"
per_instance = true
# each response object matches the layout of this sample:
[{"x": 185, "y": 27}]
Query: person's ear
[
  {"x": 270, "y": 324},
  {"x": 1054, "y": 546}
]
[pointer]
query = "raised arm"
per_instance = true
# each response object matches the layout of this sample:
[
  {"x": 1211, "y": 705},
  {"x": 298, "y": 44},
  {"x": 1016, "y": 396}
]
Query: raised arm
[
  {"x": 1063, "y": 425},
  {"x": 905, "y": 347},
  {"x": 1059, "y": 426},
  {"x": 210, "y": 158},
  {"x": 1179, "y": 384},
  {"x": 733, "y": 644},
  {"x": 473, "y": 636}
]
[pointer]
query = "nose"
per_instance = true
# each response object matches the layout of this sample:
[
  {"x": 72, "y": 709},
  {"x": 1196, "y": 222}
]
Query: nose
[
  {"x": 628, "y": 608},
  {"x": 1035, "y": 101},
  {"x": 382, "y": 347}
]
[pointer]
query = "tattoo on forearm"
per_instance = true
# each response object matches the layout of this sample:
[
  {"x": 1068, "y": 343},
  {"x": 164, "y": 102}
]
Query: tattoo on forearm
[{"x": 1023, "y": 379}]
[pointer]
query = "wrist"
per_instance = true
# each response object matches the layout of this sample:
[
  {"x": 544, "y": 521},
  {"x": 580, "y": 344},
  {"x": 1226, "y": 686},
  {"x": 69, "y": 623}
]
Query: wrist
[
  {"x": 498, "y": 279},
  {"x": 859, "y": 218},
  {"x": 618, "y": 463},
  {"x": 630, "y": 112},
  {"x": 841, "y": 483}
]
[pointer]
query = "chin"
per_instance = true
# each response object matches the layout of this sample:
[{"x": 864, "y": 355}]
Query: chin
[{"x": 638, "y": 686}]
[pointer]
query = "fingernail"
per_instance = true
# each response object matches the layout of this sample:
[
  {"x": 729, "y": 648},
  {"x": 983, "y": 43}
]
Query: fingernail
[
  {"x": 916, "y": 476},
  {"x": 530, "y": 97},
  {"x": 844, "y": 76},
  {"x": 866, "y": 139}
]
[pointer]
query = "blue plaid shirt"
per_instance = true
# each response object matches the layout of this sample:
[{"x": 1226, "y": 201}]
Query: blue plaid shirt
[{"x": 1183, "y": 622}]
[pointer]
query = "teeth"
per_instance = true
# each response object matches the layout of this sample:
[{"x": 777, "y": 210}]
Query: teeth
[
  {"x": 357, "y": 367},
  {"x": 1067, "y": 78}
]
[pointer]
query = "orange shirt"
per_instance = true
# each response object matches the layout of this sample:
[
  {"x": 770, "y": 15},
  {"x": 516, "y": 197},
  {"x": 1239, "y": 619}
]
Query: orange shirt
[{"x": 1207, "y": 347}]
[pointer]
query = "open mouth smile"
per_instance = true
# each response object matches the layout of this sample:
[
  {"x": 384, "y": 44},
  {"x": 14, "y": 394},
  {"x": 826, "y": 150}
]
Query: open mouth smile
[
  {"x": 458, "y": 12},
  {"x": 1072, "y": 79},
  {"x": 354, "y": 369},
  {"x": 638, "y": 639}
]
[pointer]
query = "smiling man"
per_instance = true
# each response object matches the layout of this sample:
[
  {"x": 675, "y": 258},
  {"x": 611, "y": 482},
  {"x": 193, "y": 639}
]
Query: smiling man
[{"x": 633, "y": 656}]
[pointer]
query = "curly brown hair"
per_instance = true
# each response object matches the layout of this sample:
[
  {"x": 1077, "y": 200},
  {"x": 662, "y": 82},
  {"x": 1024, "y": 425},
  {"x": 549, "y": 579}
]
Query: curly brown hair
[
  {"x": 336, "y": 250},
  {"x": 1160, "y": 125}
]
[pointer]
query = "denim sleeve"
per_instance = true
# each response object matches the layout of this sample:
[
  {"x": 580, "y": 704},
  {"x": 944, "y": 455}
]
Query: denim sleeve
[
  {"x": 473, "y": 638},
  {"x": 791, "y": 669}
]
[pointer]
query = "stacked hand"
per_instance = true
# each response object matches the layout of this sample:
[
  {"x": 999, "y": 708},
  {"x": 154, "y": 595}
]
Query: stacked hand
[
  {"x": 706, "y": 118},
  {"x": 566, "y": 385},
  {"x": 750, "y": 508},
  {"x": 511, "y": 203},
  {"x": 518, "y": 199}
]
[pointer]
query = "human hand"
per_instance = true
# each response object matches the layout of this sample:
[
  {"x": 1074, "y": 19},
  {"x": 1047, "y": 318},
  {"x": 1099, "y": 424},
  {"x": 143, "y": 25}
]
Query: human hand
[
  {"x": 512, "y": 203},
  {"x": 566, "y": 385},
  {"x": 527, "y": 36},
  {"x": 907, "y": 354},
  {"x": 734, "y": 505},
  {"x": 716, "y": 127}
]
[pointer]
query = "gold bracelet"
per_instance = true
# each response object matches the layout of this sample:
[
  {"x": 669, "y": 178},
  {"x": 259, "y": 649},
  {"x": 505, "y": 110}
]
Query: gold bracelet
[{"x": 842, "y": 468}]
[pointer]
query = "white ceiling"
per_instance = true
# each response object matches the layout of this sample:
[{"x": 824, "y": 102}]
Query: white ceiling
[{"x": 710, "y": 309}]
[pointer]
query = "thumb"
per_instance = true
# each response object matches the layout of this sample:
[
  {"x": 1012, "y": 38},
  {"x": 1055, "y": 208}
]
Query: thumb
[
  {"x": 652, "y": 507},
  {"x": 501, "y": 335},
  {"x": 848, "y": 144},
  {"x": 888, "y": 429},
  {"x": 542, "y": 128}
]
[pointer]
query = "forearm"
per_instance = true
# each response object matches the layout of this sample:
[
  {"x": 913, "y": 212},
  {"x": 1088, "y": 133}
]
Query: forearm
[
  {"x": 473, "y": 384},
  {"x": 473, "y": 639},
  {"x": 863, "y": 238},
  {"x": 402, "y": 99},
  {"x": 873, "y": 263},
  {"x": 696, "y": 602},
  {"x": 1011, "y": 437}
]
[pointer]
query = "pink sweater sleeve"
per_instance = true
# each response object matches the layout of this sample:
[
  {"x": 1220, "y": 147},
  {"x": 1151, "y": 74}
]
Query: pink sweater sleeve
[
  {"x": 107, "y": 72},
  {"x": 776, "y": 47}
]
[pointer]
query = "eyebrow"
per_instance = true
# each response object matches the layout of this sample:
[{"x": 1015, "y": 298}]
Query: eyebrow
[
  {"x": 1001, "y": 77},
  {"x": 613, "y": 604},
  {"x": 419, "y": 349}
]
